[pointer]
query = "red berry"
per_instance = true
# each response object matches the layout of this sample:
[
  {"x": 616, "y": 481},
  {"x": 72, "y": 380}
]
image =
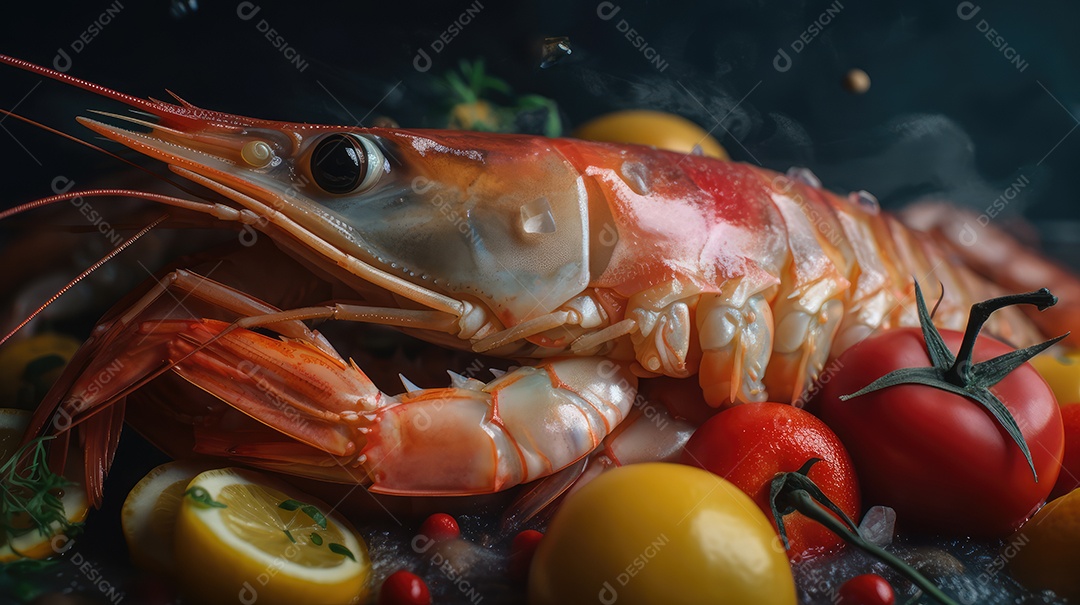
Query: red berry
[
  {"x": 521, "y": 553},
  {"x": 867, "y": 589},
  {"x": 440, "y": 527},
  {"x": 404, "y": 588}
]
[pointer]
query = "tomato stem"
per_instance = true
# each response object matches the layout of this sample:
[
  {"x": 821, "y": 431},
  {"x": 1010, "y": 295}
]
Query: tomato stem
[
  {"x": 960, "y": 373},
  {"x": 802, "y": 501}
]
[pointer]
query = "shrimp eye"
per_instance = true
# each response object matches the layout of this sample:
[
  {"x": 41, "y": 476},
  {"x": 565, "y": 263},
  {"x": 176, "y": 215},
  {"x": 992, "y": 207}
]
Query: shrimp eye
[{"x": 345, "y": 163}]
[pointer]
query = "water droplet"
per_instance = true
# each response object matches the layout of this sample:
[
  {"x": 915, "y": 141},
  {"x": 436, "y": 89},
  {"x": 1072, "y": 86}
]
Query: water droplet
[
  {"x": 536, "y": 217},
  {"x": 553, "y": 50},
  {"x": 878, "y": 525},
  {"x": 636, "y": 176},
  {"x": 804, "y": 175},
  {"x": 866, "y": 201}
]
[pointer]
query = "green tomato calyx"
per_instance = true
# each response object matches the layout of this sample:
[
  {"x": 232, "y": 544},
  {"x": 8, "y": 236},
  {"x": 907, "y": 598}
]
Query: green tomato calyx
[
  {"x": 796, "y": 491},
  {"x": 957, "y": 374}
]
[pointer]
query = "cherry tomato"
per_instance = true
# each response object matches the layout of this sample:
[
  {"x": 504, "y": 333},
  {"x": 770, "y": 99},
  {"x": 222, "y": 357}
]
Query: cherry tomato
[
  {"x": 867, "y": 589},
  {"x": 404, "y": 588},
  {"x": 939, "y": 459},
  {"x": 1069, "y": 479},
  {"x": 655, "y": 128},
  {"x": 440, "y": 527},
  {"x": 660, "y": 533},
  {"x": 521, "y": 553},
  {"x": 749, "y": 444}
]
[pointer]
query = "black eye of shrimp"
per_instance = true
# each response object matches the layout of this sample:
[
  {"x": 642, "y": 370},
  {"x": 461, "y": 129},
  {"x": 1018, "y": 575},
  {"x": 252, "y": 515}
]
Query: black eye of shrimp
[{"x": 344, "y": 163}]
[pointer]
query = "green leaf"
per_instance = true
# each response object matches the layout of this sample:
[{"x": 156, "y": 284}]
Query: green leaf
[
  {"x": 28, "y": 490},
  {"x": 458, "y": 88},
  {"x": 202, "y": 498},
  {"x": 940, "y": 355},
  {"x": 316, "y": 539},
  {"x": 493, "y": 83},
  {"x": 990, "y": 372},
  {"x": 1006, "y": 420},
  {"x": 289, "y": 535},
  {"x": 341, "y": 550},
  {"x": 930, "y": 377},
  {"x": 785, "y": 484},
  {"x": 315, "y": 515},
  {"x": 308, "y": 509},
  {"x": 775, "y": 489},
  {"x": 957, "y": 374}
]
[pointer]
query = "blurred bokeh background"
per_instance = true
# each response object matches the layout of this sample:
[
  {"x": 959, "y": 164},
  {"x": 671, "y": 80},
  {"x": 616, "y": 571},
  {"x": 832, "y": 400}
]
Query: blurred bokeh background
[{"x": 966, "y": 98}]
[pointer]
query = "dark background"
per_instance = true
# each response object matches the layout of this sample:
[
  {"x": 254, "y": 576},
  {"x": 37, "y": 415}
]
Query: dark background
[{"x": 947, "y": 112}]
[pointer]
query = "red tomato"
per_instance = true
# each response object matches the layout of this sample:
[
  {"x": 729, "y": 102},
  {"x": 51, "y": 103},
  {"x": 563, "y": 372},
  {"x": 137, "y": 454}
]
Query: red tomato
[
  {"x": 1069, "y": 479},
  {"x": 867, "y": 589},
  {"x": 521, "y": 553},
  {"x": 941, "y": 460},
  {"x": 749, "y": 444},
  {"x": 440, "y": 527},
  {"x": 404, "y": 588}
]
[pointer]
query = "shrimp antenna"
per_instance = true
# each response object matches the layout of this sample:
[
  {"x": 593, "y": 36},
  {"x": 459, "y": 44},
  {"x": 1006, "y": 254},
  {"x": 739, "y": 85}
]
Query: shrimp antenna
[
  {"x": 102, "y": 150},
  {"x": 87, "y": 271}
]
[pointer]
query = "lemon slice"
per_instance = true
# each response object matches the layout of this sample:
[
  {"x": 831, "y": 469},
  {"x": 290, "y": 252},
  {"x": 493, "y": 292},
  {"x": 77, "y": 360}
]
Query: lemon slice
[
  {"x": 242, "y": 536},
  {"x": 34, "y": 544},
  {"x": 28, "y": 367},
  {"x": 150, "y": 510}
]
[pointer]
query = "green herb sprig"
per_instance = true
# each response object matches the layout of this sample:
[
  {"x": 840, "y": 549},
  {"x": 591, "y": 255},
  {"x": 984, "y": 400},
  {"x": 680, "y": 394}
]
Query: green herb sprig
[
  {"x": 202, "y": 498},
  {"x": 30, "y": 494},
  {"x": 320, "y": 519}
]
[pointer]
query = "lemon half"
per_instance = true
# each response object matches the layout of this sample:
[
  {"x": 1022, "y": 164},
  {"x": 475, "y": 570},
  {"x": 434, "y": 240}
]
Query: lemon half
[
  {"x": 150, "y": 511},
  {"x": 235, "y": 541}
]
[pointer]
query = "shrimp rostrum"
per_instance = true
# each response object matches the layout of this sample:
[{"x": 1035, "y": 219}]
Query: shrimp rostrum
[{"x": 594, "y": 265}]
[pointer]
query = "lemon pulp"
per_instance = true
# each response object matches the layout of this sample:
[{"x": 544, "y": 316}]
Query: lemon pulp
[{"x": 243, "y": 535}]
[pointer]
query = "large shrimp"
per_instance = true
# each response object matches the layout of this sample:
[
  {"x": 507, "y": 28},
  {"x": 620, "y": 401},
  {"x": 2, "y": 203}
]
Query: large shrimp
[{"x": 594, "y": 264}]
